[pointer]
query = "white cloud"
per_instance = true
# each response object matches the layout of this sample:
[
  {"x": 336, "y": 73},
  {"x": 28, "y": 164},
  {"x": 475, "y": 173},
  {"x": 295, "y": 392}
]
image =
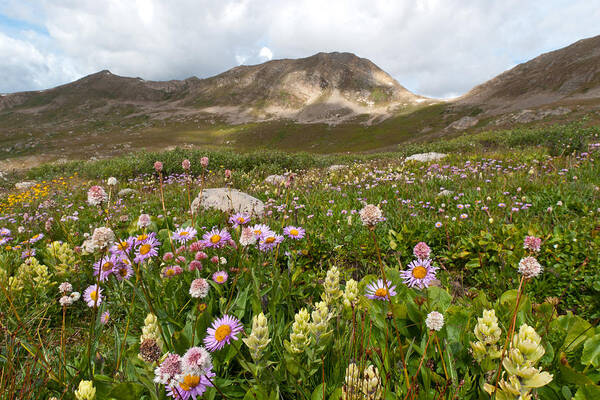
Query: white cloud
[
  {"x": 266, "y": 54},
  {"x": 433, "y": 47}
]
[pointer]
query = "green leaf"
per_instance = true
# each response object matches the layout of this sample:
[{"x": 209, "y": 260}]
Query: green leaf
[
  {"x": 256, "y": 393},
  {"x": 127, "y": 391},
  {"x": 591, "y": 351},
  {"x": 588, "y": 392},
  {"x": 318, "y": 393}
]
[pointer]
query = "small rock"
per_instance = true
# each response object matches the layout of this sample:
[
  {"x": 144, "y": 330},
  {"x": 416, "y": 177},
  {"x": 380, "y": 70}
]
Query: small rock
[
  {"x": 228, "y": 200},
  {"x": 425, "y": 157},
  {"x": 335, "y": 167},
  {"x": 126, "y": 192},
  {"x": 275, "y": 180},
  {"x": 445, "y": 192},
  {"x": 25, "y": 185}
]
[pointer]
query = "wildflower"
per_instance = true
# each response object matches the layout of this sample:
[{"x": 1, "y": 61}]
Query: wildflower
[
  {"x": 332, "y": 286},
  {"x": 216, "y": 238},
  {"x": 195, "y": 265},
  {"x": 65, "y": 301},
  {"x": 199, "y": 288},
  {"x": 294, "y": 232},
  {"x": 260, "y": 229},
  {"x": 169, "y": 371},
  {"x": 171, "y": 271},
  {"x": 370, "y": 215},
  {"x": 372, "y": 383},
  {"x": 320, "y": 320},
  {"x": 75, "y": 296},
  {"x": 105, "y": 267},
  {"x": 85, "y": 391},
  {"x": 269, "y": 241},
  {"x": 96, "y": 196},
  {"x": 196, "y": 361},
  {"x": 123, "y": 247},
  {"x": 184, "y": 235},
  {"x": 438, "y": 224},
  {"x": 421, "y": 250},
  {"x": 259, "y": 337},
  {"x": 185, "y": 164},
  {"x": 112, "y": 181},
  {"x": 144, "y": 221},
  {"x": 123, "y": 270},
  {"x": 529, "y": 267},
  {"x": 220, "y": 277},
  {"x": 65, "y": 288},
  {"x": 239, "y": 219},
  {"x": 299, "y": 338},
  {"x": 352, "y": 383},
  {"x": 158, "y": 166},
  {"x": 350, "y": 293},
  {"x": 36, "y": 238},
  {"x": 420, "y": 273},
  {"x": 222, "y": 331},
  {"x": 434, "y": 321},
  {"x": 191, "y": 386},
  {"x": 204, "y": 162},
  {"x": 105, "y": 317},
  {"x": 151, "y": 330},
  {"x": 377, "y": 290},
  {"x": 93, "y": 295},
  {"x": 150, "y": 350},
  {"x": 227, "y": 174},
  {"x": 146, "y": 250},
  {"x": 247, "y": 237},
  {"x": 102, "y": 238},
  {"x": 532, "y": 243}
]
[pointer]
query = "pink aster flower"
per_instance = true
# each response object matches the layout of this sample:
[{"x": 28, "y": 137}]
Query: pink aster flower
[
  {"x": 220, "y": 277},
  {"x": 532, "y": 243},
  {"x": 222, "y": 331},
  {"x": 171, "y": 271},
  {"x": 420, "y": 274},
  {"x": 377, "y": 290},
  {"x": 421, "y": 251},
  {"x": 294, "y": 232},
  {"x": 260, "y": 229},
  {"x": 216, "y": 238},
  {"x": 184, "y": 235},
  {"x": 105, "y": 267},
  {"x": 105, "y": 317},
  {"x": 93, "y": 295}
]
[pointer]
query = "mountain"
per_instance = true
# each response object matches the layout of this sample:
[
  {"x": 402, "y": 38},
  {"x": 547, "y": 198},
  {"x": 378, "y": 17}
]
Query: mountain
[
  {"x": 326, "y": 87},
  {"x": 568, "y": 74}
]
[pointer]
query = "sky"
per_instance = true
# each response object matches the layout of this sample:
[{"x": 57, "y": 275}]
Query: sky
[{"x": 436, "y": 48}]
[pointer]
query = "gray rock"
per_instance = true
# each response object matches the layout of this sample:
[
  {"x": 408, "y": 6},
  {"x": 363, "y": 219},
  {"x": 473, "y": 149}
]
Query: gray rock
[
  {"x": 425, "y": 157},
  {"x": 127, "y": 192},
  {"x": 463, "y": 123},
  {"x": 445, "y": 193},
  {"x": 25, "y": 185},
  {"x": 275, "y": 180},
  {"x": 228, "y": 200}
]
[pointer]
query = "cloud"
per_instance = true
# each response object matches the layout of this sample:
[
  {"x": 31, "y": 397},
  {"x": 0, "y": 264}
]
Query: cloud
[
  {"x": 433, "y": 47},
  {"x": 266, "y": 54}
]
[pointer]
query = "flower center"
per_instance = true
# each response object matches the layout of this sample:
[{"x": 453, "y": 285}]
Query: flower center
[
  {"x": 123, "y": 272},
  {"x": 94, "y": 295},
  {"x": 189, "y": 382},
  {"x": 257, "y": 232},
  {"x": 170, "y": 272},
  {"x": 270, "y": 239},
  {"x": 222, "y": 332},
  {"x": 107, "y": 266},
  {"x": 419, "y": 272},
  {"x": 381, "y": 292},
  {"x": 123, "y": 246},
  {"x": 294, "y": 232},
  {"x": 142, "y": 237},
  {"x": 145, "y": 249},
  {"x": 214, "y": 239},
  {"x": 241, "y": 220},
  {"x": 184, "y": 233},
  {"x": 220, "y": 278}
]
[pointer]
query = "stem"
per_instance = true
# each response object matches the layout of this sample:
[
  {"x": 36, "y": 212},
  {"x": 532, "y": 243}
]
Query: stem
[
  {"x": 420, "y": 364},
  {"x": 437, "y": 342}
]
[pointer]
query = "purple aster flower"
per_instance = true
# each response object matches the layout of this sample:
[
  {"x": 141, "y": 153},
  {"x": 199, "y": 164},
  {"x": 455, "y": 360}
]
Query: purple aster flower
[
  {"x": 36, "y": 238},
  {"x": 105, "y": 317},
  {"x": 294, "y": 232},
  {"x": 28, "y": 253},
  {"x": 93, "y": 295},
  {"x": 105, "y": 267},
  {"x": 260, "y": 229},
  {"x": 222, "y": 331},
  {"x": 184, "y": 235},
  {"x": 5, "y": 232},
  {"x": 420, "y": 273},
  {"x": 216, "y": 238},
  {"x": 378, "y": 291},
  {"x": 144, "y": 237},
  {"x": 220, "y": 277},
  {"x": 239, "y": 219},
  {"x": 123, "y": 270},
  {"x": 123, "y": 247},
  {"x": 147, "y": 249},
  {"x": 171, "y": 271},
  {"x": 192, "y": 386},
  {"x": 269, "y": 241}
]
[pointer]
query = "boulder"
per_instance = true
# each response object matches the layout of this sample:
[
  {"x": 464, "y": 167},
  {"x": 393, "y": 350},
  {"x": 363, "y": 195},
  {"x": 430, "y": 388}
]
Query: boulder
[
  {"x": 228, "y": 200},
  {"x": 127, "y": 192},
  {"x": 463, "y": 123},
  {"x": 25, "y": 185},
  {"x": 425, "y": 157},
  {"x": 275, "y": 180}
]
